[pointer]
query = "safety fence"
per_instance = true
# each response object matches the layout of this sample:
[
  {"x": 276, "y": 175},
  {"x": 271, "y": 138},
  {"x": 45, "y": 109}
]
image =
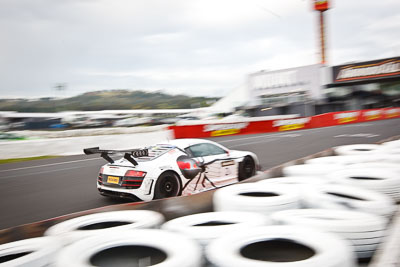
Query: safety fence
[{"x": 278, "y": 125}]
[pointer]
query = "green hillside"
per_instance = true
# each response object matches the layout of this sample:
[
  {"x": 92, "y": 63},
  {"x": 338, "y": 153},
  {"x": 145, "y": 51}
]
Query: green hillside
[{"x": 103, "y": 100}]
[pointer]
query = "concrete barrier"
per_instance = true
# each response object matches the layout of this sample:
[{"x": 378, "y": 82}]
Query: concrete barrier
[{"x": 75, "y": 145}]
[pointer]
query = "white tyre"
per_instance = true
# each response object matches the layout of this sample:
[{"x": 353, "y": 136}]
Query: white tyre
[
  {"x": 357, "y": 149},
  {"x": 395, "y": 143},
  {"x": 332, "y": 220},
  {"x": 33, "y": 252},
  {"x": 375, "y": 165},
  {"x": 294, "y": 180},
  {"x": 370, "y": 178},
  {"x": 319, "y": 170},
  {"x": 204, "y": 227},
  {"x": 142, "y": 247},
  {"x": 280, "y": 246},
  {"x": 365, "y": 254},
  {"x": 390, "y": 158},
  {"x": 390, "y": 150},
  {"x": 344, "y": 160},
  {"x": 99, "y": 223},
  {"x": 341, "y": 222},
  {"x": 348, "y": 198},
  {"x": 261, "y": 198},
  {"x": 392, "y": 147},
  {"x": 363, "y": 239}
]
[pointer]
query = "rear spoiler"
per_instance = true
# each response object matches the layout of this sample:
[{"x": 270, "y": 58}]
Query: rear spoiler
[{"x": 129, "y": 154}]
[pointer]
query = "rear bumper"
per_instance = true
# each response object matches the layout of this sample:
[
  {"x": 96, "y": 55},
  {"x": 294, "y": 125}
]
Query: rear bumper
[
  {"x": 144, "y": 193},
  {"x": 116, "y": 194}
]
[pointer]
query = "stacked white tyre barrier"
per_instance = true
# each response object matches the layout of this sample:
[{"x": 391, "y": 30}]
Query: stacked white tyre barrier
[
  {"x": 318, "y": 170},
  {"x": 253, "y": 197},
  {"x": 365, "y": 231},
  {"x": 281, "y": 246},
  {"x": 100, "y": 223},
  {"x": 33, "y": 252},
  {"x": 344, "y": 197},
  {"x": 205, "y": 227},
  {"x": 385, "y": 181},
  {"x": 143, "y": 247}
]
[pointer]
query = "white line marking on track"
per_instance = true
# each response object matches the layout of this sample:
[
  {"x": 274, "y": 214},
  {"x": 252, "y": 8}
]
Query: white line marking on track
[
  {"x": 41, "y": 172},
  {"x": 50, "y": 164},
  {"x": 250, "y": 143},
  {"x": 284, "y": 134},
  {"x": 361, "y": 135}
]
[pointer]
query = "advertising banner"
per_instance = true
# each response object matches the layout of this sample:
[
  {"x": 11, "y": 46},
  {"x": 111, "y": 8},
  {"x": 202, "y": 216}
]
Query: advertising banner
[
  {"x": 305, "y": 79},
  {"x": 291, "y": 124},
  {"x": 366, "y": 71},
  {"x": 390, "y": 113},
  {"x": 281, "y": 125}
]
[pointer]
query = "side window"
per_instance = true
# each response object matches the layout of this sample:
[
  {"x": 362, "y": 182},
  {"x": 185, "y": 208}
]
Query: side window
[{"x": 202, "y": 150}]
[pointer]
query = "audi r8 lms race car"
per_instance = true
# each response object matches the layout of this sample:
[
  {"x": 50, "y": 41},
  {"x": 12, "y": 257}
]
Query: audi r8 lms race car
[{"x": 177, "y": 167}]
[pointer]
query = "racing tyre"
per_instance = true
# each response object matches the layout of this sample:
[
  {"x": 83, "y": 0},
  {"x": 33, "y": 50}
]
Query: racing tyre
[
  {"x": 256, "y": 197},
  {"x": 33, "y": 252},
  {"x": 344, "y": 197},
  {"x": 385, "y": 181},
  {"x": 280, "y": 246},
  {"x": 395, "y": 143},
  {"x": 345, "y": 160},
  {"x": 100, "y": 223},
  {"x": 319, "y": 170},
  {"x": 357, "y": 149},
  {"x": 168, "y": 185},
  {"x": 247, "y": 168},
  {"x": 206, "y": 227},
  {"x": 142, "y": 247},
  {"x": 294, "y": 180},
  {"x": 365, "y": 231}
]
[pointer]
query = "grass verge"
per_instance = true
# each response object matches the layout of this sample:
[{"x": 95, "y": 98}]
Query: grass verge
[{"x": 3, "y": 161}]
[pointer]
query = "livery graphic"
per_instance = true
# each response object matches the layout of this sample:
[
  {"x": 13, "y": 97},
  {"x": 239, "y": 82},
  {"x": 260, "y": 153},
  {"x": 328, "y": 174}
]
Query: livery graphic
[{"x": 188, "y": 167}]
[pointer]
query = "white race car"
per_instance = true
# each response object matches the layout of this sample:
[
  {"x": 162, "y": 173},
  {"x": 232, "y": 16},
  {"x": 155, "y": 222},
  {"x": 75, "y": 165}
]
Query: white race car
[{"x": 177, "y": 167}]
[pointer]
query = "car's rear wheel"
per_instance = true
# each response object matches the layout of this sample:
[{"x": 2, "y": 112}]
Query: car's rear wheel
[
  {"x": 167, "y": 185},
  {"x": 247, "y": 168}
]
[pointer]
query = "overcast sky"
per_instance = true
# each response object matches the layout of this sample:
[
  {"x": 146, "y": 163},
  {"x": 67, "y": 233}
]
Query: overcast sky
[{"x": 193, "y": 47}]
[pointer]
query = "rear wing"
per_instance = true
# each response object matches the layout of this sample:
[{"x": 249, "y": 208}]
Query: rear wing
[{"x": 129, "y": 154}]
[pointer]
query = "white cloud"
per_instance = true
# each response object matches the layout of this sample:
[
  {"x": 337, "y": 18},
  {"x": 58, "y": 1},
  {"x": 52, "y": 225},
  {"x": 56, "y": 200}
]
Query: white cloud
[{"x": 193, "y": 47}]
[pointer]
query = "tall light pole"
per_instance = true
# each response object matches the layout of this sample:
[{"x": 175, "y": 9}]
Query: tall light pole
[{"x": 321, "y": 6}]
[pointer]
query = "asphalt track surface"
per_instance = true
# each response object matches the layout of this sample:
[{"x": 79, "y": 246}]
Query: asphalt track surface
[{"x": 37, "y": 190}]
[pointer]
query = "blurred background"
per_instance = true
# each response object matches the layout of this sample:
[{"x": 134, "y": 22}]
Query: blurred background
[{"x": 97, "y": 63}]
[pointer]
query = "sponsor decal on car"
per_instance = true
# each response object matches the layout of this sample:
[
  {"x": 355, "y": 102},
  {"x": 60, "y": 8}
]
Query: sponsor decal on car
[
  {"x": 188, "y": 167},
  {"x": 294, "y": 124},
  {"x": 227, "y": 163}
]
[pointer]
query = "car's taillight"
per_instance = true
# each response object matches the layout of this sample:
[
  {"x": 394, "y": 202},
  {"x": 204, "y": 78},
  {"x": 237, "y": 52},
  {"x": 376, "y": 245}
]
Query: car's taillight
[
  {"x": 133, "y": 173},
  {"x": 101, "y": 170}
]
